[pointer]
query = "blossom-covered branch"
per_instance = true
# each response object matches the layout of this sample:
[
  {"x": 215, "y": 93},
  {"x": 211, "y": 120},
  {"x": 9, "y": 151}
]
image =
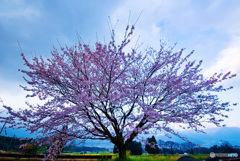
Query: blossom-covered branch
[{"x": 110, "y": 93}]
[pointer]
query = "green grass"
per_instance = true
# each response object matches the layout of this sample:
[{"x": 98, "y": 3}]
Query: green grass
[
  {"x": 151, "y": 158},
  {"x": 89, "y": 154},
  {"x": 148, "y": 157},
  {"x": 143, "y": 157},
  {"x": 200, "y": 156}
]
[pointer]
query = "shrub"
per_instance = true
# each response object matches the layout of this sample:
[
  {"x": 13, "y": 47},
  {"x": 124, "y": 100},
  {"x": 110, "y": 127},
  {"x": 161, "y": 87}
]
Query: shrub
[{"x": 29, "y": 149}]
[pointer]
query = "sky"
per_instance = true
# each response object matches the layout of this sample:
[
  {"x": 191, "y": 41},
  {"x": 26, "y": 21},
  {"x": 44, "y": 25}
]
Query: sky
[{"x": 210, "y": 27}]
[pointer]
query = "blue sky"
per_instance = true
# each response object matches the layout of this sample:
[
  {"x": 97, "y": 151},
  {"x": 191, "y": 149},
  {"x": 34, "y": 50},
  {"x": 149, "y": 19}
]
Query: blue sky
[{"x": 210, "y": 27}]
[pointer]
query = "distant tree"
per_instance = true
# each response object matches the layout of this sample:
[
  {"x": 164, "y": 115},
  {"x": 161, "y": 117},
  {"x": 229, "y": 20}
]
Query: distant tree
[
  {"x": 201, "y": 150},
  {"x": 226, "y": 147},
  {"x": 135, "y": 148},
  {"x": 114, "y": 92},
  {"x": 171, "y": 146},
  {"x": 29, "y": 148},
  {"x": 214, "y": 149},
  {"x": 70, "y": 146},
  {"x": 12, "y": 143},
  {"x": 189, "y": 147},
  {"x": 151, "y": 146},
  {"x": 115, "y": 149},
  {"x": 161, "y": 145},
  {"x": 237, "y": 147}
]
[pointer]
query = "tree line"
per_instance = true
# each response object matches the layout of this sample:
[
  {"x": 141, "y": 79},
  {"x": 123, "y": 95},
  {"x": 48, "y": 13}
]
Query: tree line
[
  {"x": 151, "y": 146},
  {"x": 170, "y": 147},
  {"x": 8, "y": 143}
]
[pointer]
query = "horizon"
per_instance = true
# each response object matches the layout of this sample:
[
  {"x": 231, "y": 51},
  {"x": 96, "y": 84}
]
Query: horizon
[{"x": 213, "y": 136}]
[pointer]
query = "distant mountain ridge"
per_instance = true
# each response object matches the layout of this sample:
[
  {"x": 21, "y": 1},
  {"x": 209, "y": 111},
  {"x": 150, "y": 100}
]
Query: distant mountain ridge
[{"x": 213, "y": 136}]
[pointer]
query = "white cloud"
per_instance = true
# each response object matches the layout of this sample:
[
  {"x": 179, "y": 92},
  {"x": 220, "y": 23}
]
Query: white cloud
[
  {"x": 27, "y": 13},
  {"x": 178, "y": 21},
  {"x": 146, "y": 26},
  {"x": 228, "y": 59},
  {"x": 12, "y": 95},
  {"x": 18, "y": 9},
  {"x": 200, "y": 23},
  {"x": 233, "y": 125}
]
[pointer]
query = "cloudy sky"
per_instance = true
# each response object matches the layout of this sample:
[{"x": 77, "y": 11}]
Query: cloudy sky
[{"x": 210, "y": 27}]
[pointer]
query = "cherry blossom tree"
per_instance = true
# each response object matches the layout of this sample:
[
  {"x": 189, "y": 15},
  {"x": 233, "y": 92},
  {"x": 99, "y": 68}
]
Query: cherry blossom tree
[{"x": 110, "y": 92}]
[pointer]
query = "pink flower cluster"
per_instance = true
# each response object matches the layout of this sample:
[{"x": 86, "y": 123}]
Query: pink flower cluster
[{"x": 110, "y": 93}]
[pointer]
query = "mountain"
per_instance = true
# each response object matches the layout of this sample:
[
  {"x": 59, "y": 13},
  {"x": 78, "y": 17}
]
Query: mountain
[
  {"x": 213, "y": 136},
  {"x": 19, "y": 133},
  {"x": 22, "y": 133},
  {"x": 98, "y": 143},
  {"x": 85, "y": 149}
]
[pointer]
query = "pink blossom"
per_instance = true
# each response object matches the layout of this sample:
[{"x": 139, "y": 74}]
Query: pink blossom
[{"x": 111, "y": 93}]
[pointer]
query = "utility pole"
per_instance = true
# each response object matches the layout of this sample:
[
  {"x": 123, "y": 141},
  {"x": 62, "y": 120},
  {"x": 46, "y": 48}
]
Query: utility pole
[
  {"x": 5, "y": 121},
  {"x": 3, "y": 126}
]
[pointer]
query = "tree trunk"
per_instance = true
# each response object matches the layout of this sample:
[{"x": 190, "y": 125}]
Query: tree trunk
[
  {"x": 171, "y": 150},
  {"x": 122, "y": 152},
  {"x": 192, "y": 151}
]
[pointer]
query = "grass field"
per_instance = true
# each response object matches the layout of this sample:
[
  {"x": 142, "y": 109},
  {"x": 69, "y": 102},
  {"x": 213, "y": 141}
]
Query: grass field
[
  {"x": 104, "y": 153},
  {"x": 162, "y": 157},
  {"x": 144, "y": 157},
  {"x": 147, "y": 157}
]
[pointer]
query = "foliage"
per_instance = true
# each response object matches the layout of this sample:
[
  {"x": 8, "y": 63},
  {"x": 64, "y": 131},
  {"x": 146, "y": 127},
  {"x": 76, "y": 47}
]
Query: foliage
[
  {"x": 128, "y": 154},
  {"x": 225, "y": 147},
  {"x": 104, "y": 156},
  {"x": 112, "y": 93},
  {"x": 70, "y": 146},
  {"x": 12, "y": 143},
  {"x": 151, "y": 146},
  {"x": 201, "y": 150},
  {"x": 189, "y": 147},
  {"x": 180, "y": 148},
  {"x": 29, "y": 149},
  {"x": 9, "y": 143},
  {"x": 134, "y": 147},
  {"x": 171, "y": 146}
]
